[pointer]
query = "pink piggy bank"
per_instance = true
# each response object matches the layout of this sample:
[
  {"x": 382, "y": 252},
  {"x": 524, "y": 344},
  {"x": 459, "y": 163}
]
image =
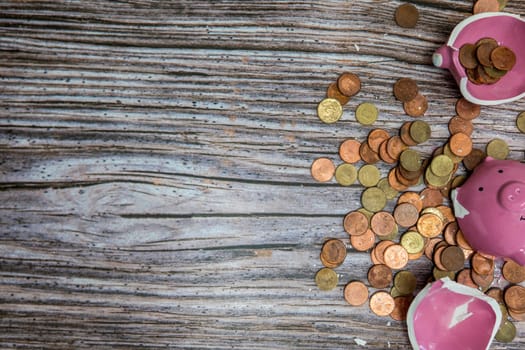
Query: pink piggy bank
[{"x": 490, "y": 208}]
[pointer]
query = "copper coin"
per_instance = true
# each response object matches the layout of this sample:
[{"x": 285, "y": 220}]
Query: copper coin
[
  {"x": 396, "y": 257},
  {"x": 518, "y": 316},
  {"x": 322, "y": 169},
  {"x": 484, "y": 77},
  {"x": 355, "y": 223},
  {"x": 429, "y": 247},
  {"x": 394, "y": 182},
  {"x": 383, "y": 153},
  {"x": 462, "y": 241},
  {"x": 349, "y": 151},
  {"x": 333, "y": 92},
  {"x": 404, "y": 133},
  {"x": 474, "y": 158},
  {"x": 379, "y": 250},
  {"x": 513, "y": 272},
  {"x": 406, "y": 15},
  {"x": 450, "y": 232},
  {"x": 457, "y": 124},
  {"x": 416, "y": 107},
  {"x": 429, "y": 225},
  {"x": 515, "y": 298},
  {"x": 367, "y": 154},
  {"x": 405, "y": 89},
  {"x": 406, "y": 214},
  {"x": 411, "y": 197},
  {"x": 460, "y": 144},
  {"x": 481, "y": 264},
  {"x": 401, "y": 306},
  {"x": 356, "y": 293},
  {"x": 448, "y": 213},
  {"x": 349, "y": 84},
  {"x": 333, "y": 253},
  {"x": 503, "y": 58},
  {"x": 380, "y": 276},
  {"x": 483, "y": 281},
  {"x": 431, "y": 198},
  {"x": 496, "y": 294},
  {"x": 382, "y": 223},
  {"x": 483, "y": 53},
  {"x": 363, "y": 242},
  {"x": 464, "y": 277},
  {"x": 452, "y": 258},
  {"x": 376, "y": 137},
  {"x": 467, "y": 56},
  {"x": 382, "y": 303},
  {"x": 485, "y": 6},
  {"x": 437, "y": 257},
  {"x": 395, "y": 146},
  {"x": 467, "y": 110}
]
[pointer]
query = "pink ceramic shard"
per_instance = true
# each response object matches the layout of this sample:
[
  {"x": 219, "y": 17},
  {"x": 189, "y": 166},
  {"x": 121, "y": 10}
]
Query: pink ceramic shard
[
  {"x": 508, "y": 30},
  {"x": 490, "y": 208},
  {"x": 447, "y": 315}
]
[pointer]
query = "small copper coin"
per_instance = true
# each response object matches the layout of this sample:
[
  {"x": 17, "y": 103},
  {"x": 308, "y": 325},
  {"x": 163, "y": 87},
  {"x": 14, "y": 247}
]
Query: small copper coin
[
  {"x": 450, "y": 232},
  {"x": 322, "y": 169},
  {"x": 355, "y": 223},
  {"x": 379, "y": 250},
  {"x": 515, "y": 298},
  {"x": 406, "y": 214},
  {"x": 452, "y": 258},
  {"x": 503, "y": 58},
  {"x": 482, "y": 264},
  {"x": 496, "y": 294},
  {"x": 401, "y": 306},
  {"x": 513, "y": 272},
  {"x": 404, "y": 133},
  {"x": 363, "y": 242},
  {"x": 457, "y": 124},
  {"x": 411, "y": 197},
  {"x": 356, "y": 293},
  {"x": 380, "y": 276},
  {"x": 382, "y": 303},
  {"x": 376, "y": 138},
  {"x": 382, "y": 223},
  {"x": 429, "y": 225},
  {"x": 431, "y": 198},
  {"x": 367, "y": 154},
  {"x": 467, "y": 56},
  {"x": 467, "y": 110},
  {"x": 485, "y": 6},
  {"x": 396, "y": 257},
  {"x": 460, "y": 144},
  {"x": 349, "y": 84},
  {"x": 416, "y": 107},
  {"x": 333, "y": 253},
  {"x": 431, "y": 244},
  {"x": 395, "y": 146},
  {"x": 464, "y": 277},
  {"x": 474, "y": 158},
  {"x": 406, "y": 16},
  {"x": 483, "y": 53},
  {"x": 405, "y": 89},
  {"x": 333, "y": 92},
  {"x": 383, "y": 153},
  {"x": 483, "y": 281},
  {"x": 349, "y": 151}
]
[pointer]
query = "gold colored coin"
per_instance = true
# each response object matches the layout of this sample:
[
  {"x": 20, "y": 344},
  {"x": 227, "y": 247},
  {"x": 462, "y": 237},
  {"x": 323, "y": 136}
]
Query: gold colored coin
[
  {"x": 506, "y": 332},
  {"x": 373, "y": 199},
  {"x": 405, "y": 282},
  {"x": 366, "y": 113},
  {"x": 435, "y": 181},
  {"x": 419, "y": 131},
  {"x": 413, "y": 242},
  {"x": 429, "y": 225},
  {"x": 385, "y": 186},
  {"x": 410, "y": 160},
  {"x": 442, "y": 165},
  {"x": 329, "y": 110},
  {"x": 520, "y": 122},
  {"x": 498, "y": 149},
  {"x": 326, "y": 279},
  {"x": 368, "y": 175},
  {"x": 345, "y": 174},
  {"x": 439, "y": 274}
]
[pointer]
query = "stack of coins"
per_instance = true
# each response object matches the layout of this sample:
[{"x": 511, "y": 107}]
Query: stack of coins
[
  {"x": 486, "y": 62},
  {"x": 330, "y": 109},
  {"x": 406, "y": 90},
  {"x": 420, "y": 223}
]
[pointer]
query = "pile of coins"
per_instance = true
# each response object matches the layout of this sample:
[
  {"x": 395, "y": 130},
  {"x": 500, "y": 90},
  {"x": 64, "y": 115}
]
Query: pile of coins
[
  {"x": 486, "y": 62},
  {"x": 421, "y": 224},
  {"x": 407, "y": 91}
]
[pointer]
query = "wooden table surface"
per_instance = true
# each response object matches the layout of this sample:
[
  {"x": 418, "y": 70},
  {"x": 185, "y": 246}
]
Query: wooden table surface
[{"x": 155, "y": 167}]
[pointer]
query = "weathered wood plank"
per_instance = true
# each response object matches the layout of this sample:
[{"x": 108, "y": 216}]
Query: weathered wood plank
[{"x": 154, "y": 170}]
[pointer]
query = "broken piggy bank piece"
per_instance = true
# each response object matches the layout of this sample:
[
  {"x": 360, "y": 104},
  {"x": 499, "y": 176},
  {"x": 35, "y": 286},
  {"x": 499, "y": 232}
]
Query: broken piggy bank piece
[
  {"x": 447, "y": 315},
  {"x": 490, "y": 208}
]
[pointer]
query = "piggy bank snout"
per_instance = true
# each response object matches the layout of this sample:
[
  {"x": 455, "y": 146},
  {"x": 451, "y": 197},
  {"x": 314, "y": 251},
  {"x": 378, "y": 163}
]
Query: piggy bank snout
[{"x": 512, "y": 196}]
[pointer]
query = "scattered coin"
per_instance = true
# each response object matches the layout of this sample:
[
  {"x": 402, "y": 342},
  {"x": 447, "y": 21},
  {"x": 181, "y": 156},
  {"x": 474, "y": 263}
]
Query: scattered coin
[
  {"x": 401, "y": 306},
  {"x": 355, "y": 223},
  {"x": 416, "y": 107},
  {"x": 376, "y": 137},
  {"x": 349, "y": 84},
  {"x": 406, "y": 16},
  {"x": 363, "y": 242},
  {"x": 520, "y": 122},
  {"x": 326, "y": 279},
  {"x": 406, "y": 214},
  {"x": 345, "y": 174},
  {"x": 333, "y": 253},
  {"x": 413, "y": 242},
  {"x": 513, "y": 272},
  {"x": 405, "y": 89},
  {"x": 485, "y": 6},
  {"x": 396, "y": 257},
  {"x": 368, "y": 175},
  {"x": 457, "y": 124},
  {"x": 322, "y": 169},
  {"x": 497, "y": 148},
  {"x": 380, "y": 276},
  {"x": 405, "y": 282},
  {"x": 349, "y": 151},
  {"x": 329, "y": 110},
  {"x": 366, "y": 113},
  {"x": 356, "y": 293},
  {"x": 382, "y": 303},
  {"x": 506, "y": 332},
  {"x": 373, "y": 199},
  {"x": 503, "y": 58},
  {"x": 515, "y": 298},
  {"x": 333, "y": 92},
  {"x": 460, "y": 144},
  {"x": 467, "y": 110},
  {"x": 419, "y": 131},
  {"x": 382, "y": 223},
  {"x": 452, "y": 258}
]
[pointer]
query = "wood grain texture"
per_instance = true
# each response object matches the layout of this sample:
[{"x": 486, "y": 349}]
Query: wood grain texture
[{"x": 154, "y": 177}]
